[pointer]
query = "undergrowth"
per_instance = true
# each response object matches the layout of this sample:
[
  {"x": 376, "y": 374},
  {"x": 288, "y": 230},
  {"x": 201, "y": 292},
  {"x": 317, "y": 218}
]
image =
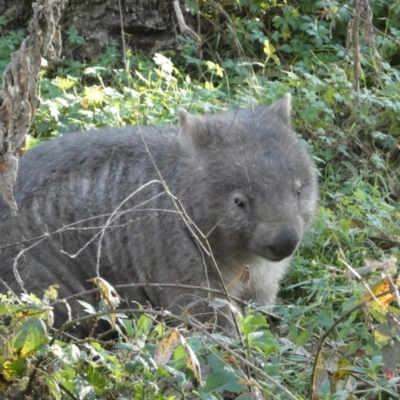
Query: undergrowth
[{"x": 326, "y": 331}]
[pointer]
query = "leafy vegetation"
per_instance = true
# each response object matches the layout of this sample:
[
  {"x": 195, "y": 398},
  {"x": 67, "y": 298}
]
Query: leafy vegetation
[{"x": 330, "y": 332}]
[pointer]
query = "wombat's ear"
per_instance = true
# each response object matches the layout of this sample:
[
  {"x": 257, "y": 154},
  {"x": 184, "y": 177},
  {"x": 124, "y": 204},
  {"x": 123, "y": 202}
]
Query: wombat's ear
[
  {"x": 188, "y": 123},
  {"x": 184, "y": 118},
  {"x": 282, "y": 107}
]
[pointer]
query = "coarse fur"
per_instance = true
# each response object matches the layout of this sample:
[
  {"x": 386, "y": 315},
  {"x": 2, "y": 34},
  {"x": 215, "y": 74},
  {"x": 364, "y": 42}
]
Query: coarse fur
[{"x": 243, "y": 179}]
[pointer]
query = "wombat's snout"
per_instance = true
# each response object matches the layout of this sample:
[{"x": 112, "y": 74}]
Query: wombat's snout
[{"x": 283, "y": 244}]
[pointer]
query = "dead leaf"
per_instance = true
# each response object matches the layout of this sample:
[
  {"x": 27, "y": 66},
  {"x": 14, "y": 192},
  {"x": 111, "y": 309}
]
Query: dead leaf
[
  {"x": 166, "y": 347},
  {"x": 108, "y": 294},
  {"x": 381, "y": 301},
  {"x": 340, "y": 373},
  {"x": 192, "y": 362},
  {"x": 390, "y": 357},
  {"x": 243, "y": 277}
]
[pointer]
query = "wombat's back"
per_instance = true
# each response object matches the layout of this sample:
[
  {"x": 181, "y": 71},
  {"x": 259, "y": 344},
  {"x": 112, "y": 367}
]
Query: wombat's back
[{"x": 67, "y": 191}]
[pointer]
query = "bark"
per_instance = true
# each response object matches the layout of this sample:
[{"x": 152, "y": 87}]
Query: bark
[{"x": 149, "y": 25}]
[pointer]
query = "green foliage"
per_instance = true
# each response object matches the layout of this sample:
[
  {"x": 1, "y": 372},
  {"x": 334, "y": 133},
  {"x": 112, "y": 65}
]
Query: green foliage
[
  {"x": 35, "y": 359},
  {"x": 264, "y": 49},
  {"x": 73, "y": 36}
]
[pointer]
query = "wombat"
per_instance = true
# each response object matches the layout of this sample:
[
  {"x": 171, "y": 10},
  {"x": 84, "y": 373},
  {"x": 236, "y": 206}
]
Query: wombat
[{"x": 160, "y": 205}]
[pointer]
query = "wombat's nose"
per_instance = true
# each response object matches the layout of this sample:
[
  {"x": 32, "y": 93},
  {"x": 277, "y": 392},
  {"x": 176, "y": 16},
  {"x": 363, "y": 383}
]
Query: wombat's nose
[{"x": 283, "y": 244}]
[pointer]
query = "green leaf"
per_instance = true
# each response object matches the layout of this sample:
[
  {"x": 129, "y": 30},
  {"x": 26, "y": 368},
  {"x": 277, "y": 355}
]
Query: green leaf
[
  {"x": 85, "y": 390},
  {"x": 179, "y": 376},
  {"x": 3, "y": 20},
  {"x": 215, "y": 68},
  {"x": 303, "y": 338},
  {"x": 8, "y": 308},
  {"x": 127, "y": 346},
  {"x": 53, "y": 386},
  {"x": 144, "y": 325},
  {"x": 30, "y": 337},
  {"x": 223, "y": 380},
  {"x": 137, "y": 364},
  {"x": 95, "y": 376},
  {"x": 216, "y": 361},
  {"x": 270, "y": 51},
  {"x": 254, "y": 322},
  {"x": 14, "y": 368},
  {"x": 74, "y": 37},
  {"x": 88, "y": 307}
]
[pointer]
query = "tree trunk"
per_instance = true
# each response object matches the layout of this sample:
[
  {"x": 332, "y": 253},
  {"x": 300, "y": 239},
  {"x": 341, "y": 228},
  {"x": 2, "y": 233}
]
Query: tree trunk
[{"x": 149, "y": 25}]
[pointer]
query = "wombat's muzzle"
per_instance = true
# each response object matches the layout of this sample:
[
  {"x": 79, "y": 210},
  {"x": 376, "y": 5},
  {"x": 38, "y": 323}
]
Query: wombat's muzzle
[{"x": 282, "y": 245}]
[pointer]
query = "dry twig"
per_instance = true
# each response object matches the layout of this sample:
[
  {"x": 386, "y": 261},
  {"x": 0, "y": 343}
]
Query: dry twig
[{"x": 182, "y": 24}]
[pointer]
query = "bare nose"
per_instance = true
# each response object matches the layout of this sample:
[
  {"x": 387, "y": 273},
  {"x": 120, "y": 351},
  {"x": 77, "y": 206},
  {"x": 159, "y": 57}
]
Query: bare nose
[{"x": 283, "y": 244}]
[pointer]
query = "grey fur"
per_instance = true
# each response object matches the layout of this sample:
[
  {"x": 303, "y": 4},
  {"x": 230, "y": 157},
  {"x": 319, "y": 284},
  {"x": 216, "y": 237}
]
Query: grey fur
[{"x": 243, "y": 178}]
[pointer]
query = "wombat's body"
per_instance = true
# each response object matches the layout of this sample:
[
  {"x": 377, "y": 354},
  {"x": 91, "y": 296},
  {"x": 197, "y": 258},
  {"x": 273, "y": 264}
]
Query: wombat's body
[{"x": 243, "y": 179}]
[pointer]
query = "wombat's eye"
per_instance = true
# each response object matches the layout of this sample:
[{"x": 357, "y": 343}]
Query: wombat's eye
[
  {"x": 297, "y": 187},
  {"x": 239, "y": 202}
]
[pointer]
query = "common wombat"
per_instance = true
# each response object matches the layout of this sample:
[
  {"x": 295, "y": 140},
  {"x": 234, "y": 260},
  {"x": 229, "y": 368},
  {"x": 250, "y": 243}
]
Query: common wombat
[{"x": 243, "y": 178}]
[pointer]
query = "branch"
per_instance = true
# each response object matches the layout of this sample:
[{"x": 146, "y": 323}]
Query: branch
[{"x": 182, "y": 24}]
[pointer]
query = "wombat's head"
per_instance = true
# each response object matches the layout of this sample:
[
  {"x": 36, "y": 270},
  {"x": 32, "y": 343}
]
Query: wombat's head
[{"x": 252, "y": 187}]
